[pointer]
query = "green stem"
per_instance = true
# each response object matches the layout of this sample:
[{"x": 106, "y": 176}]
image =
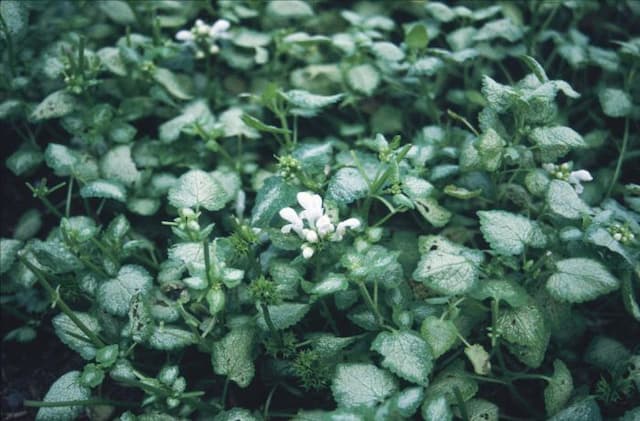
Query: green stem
[
  {"x": 329, "y": 317},
  {"x": 623, "y": 150},
  {"x": 56, "y": 299},
  {"x": 67, "y": 206},
  {"x": 207, "y": 261},
  {"x": 225, "y": 389},
  {"x": 272, "y": 327},
  {"x": 364, "y": 292},
  {"x": 523, "y": 376},
  {"x": 85, "y": 402}
]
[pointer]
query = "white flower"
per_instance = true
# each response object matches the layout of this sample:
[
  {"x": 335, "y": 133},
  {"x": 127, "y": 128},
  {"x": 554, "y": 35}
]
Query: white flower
[
  {"x": 312, "y": 205},
  {"x": 324, "y": 226},
  {"x": 295, "y": 223},
  {"x": 310, "y": 235},
  {"x": 577, "y": 177},
  {"x": 307, "y": 251},
  {"x": 219, "y": 29},
  {"x": 185, "y": 36},
  {"x": 351, "y": 223}
]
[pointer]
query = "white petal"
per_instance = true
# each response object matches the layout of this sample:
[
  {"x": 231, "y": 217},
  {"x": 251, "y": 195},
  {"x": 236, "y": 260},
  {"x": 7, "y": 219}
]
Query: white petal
[
  {"x": 309, "y": 200},
  {"x": 221, "y": 25},
  {"x": 184, "y": 35},
  {"x": 310, "y": 235},
  {"x": 581, "y": 175},
  {"x": 307, "y": 251},
  {"x": 324, "y": 226},
  {"x": 351, "y": 223},
  {"x": 214, "y": 49},
  {"x": 290, "y": 215},
  {"x": 286, "y": 229}
]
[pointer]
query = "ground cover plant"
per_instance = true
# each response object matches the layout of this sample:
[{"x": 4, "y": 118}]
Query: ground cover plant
[{"x": 320, "y": 210}]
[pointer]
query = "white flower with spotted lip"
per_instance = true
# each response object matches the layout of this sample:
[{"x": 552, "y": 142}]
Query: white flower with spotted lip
[
  {"x": 295, "y": 222},
  {"x": 351, "y": 223},
  {"x": 202, "y": 34}
]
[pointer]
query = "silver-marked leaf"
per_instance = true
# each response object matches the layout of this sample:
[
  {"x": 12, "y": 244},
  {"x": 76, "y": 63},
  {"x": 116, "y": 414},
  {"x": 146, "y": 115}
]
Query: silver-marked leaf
[
  {"x": 406, "y": 402},
  {"x": 584, "y": 410},
  {"x": 306, "y": 104},
  {"x": 24, "y": 160},
  {"x": 346, "y": 186},
  {"x": 73, "y": 337},
  {"x": 15, "y": 15},
  {"x": 363, "y": 78},
  {"x": 104, "y": 189},
  {"x": 405, "y": 354},
  {"x": 356, "y": 384},
  {"x": 448, "y": 268},
  {"x": 117, "y": 165},
  {"x": 615, "y": 102},
  {"x": 555, "y": 142},
  {"x": 580, "y": 279},
  {"x": 502, "y": 28},
  {"x": 174, "y": 84},
  {"x": 168, "y": 338},
  {"x": 283, "y": 315},
  {"x": 197, "y": 189},
  {"x": 482, "y": 410},
  {"x": 503, "y": 290},
  {"x": 436, "y": 409},
  {"x": 508, "y": 233},
  {"x": 231, "y": 356},
  {"x": 288, "y": 9},
  {"x": 66, "y": 388},
  {"x": 558, "y": 391},
  {"x": 57, "y": 104},
  {"x": 8, "y": 251},
  {"x": 115, "y": 294},
  {"x": 274, "y": 195},
  {"x": 526, "y": 332},
  {"x": 564, "y": 201},
  {"x": 441, "y": 335}
]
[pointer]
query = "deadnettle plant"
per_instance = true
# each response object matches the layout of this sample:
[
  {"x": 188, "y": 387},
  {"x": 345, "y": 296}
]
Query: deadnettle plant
[{"x": 204, "y": 37}]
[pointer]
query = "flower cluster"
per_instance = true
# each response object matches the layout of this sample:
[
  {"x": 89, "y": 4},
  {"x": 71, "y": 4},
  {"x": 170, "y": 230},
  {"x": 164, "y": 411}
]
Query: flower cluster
[
  {"x": 621, "y": 233},
  {"x": 202, "y": 35},
  {"x": 563, "y": 172},
  {"x": 318, "y": 224}
]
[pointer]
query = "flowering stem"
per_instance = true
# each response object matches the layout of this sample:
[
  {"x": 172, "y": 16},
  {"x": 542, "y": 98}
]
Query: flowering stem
[
  {"x": 623, "y": 150},
  {"x": 67, "y": 207},
  {"x": 207, "y": 261},
  {"x": 367, "y": 299},
  {"x": 272, "y": 328},
  {"x": 57, "y": 300}
]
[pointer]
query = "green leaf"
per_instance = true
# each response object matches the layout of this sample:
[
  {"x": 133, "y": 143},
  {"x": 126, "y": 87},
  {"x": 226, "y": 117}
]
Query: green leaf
[
  {"x": 490, "y": 147},
  {"x": 8, "y": 251},
  {"x": 331, "y": 284},
  {"x": 555, "y": 142},
  {"x": 359, "y": 384},
  {"x": 174, "y": 84},
  {"x": 118, "y": 11},
  {"x": 107, "y": 355},
  {"x": 262, "y": 127},
  {"x": 606, "y": 353},
  {"x": 387, "y": 51},
  {"x": 417, "y": 37},
  {"x": 584, "y": 410},
  {"x": 24, "y": 160},
  {"x": 479, "y": 358},
  {"x": 306, "y": 104},
  {"x": 502, "y": 28},
  {"x": 503, "y": 290},
  {"x": 111, "y": 59},
  {"x": 363, "y": 78},
  {"x": 233, "y": 124},
  {"x": 441, "y": 335},
  {"x": 436, "y": 409},
  {"x": 115, "y": 294},
  {"x": 104, "y": 189},
  {"x": 73, "y": 337},
  {"x": 28, "y": 226},
  {"x": 482, "y": 410},
  {"x": 451, "y": 378},
  {"x": 56, "y": 105},
  {"x": 407, "y": 401},
  {"x": 231, "y": 356},
  {"x": 288, "y": 9},
  {"x": 405, "y": 354},
  {"x": 66, "y": 388},
  {"x": 499, "y": 97},
  {"x": 55, "y": 255},
  {"x": 558, "y": 391},
  {"x": 117, "y": 165},
  {"x": 615, "y": 102},
  {"x": 197, "y": 189},
  {"x": 195, "y": 112},
  {"x": 346, "y": 186},
  {"x": 564, "y": 201},
  {"x": 92, "y": 376},
  {"x": 525, "y": 331},
  {"x": 15, "y": 15},
  {"x": 283, "y": 315},
  {"x": 580, "y": 279},
  {"x": 61, "y": 159},
  {"x": 274, "y": 195},
  {"x": 536, "y": 68},
  {"x": 169, "y": 338},
  {"x": 448, "y": 268},
  {"x": 508, "y": 233}
]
